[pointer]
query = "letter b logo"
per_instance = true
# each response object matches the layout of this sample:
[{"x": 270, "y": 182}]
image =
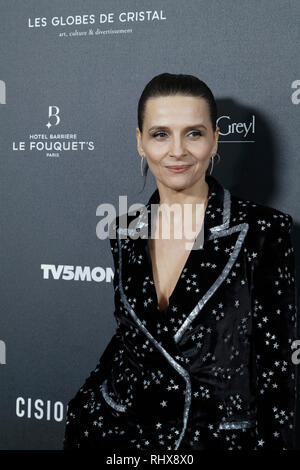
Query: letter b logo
[{"x": 53, "y": 111}]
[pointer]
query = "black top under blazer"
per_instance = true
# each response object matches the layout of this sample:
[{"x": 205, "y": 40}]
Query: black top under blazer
[{"x": 214, "y": 369}]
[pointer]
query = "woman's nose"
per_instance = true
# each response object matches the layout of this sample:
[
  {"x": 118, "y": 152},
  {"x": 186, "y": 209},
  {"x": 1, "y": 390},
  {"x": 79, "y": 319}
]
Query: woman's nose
[{"x": 177, "y": 147}]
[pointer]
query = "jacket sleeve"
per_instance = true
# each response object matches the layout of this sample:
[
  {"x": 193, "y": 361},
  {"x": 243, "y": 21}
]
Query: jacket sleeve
[
  {"x": 76, "y": 415},
  {"x": 274, "y": 310}
]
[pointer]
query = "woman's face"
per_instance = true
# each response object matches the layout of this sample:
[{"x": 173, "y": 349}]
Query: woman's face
[{"x": 177, "y": 131}]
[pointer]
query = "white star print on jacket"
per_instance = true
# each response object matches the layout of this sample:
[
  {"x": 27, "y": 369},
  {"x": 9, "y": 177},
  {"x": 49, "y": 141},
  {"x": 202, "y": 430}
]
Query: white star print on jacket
[{"x": 214, "y": 369}]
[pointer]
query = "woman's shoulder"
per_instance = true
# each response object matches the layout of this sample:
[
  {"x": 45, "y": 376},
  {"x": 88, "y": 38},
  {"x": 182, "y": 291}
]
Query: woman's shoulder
[
  {"x": 260, "y": 216},
  {"x": 129, "y": 222},
  {"x": 126, "y": 225}
]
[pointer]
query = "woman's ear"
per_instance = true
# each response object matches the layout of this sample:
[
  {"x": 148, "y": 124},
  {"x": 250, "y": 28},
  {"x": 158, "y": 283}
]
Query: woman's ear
[{"x": 139, "y": 142}]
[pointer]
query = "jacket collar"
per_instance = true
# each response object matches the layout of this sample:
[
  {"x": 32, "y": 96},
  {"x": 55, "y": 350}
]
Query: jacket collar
[{"x": 223, "y": 241}]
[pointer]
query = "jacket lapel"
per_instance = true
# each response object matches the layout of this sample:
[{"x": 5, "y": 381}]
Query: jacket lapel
[{"x": 204, "y": 272}]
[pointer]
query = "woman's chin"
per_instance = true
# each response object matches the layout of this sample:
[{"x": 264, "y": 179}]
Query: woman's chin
[{"x": 177, "y": 185}]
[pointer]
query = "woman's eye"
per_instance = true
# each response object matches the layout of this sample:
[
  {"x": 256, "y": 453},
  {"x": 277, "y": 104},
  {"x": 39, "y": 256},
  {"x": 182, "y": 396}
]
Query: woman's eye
[
  {"x": 196, "y": 133},
  {"x": 161, "y": 134},
  {"x": 157, "y": 134}
]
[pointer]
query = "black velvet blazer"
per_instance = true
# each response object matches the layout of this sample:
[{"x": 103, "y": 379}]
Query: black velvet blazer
[{"x": 214, "y": 369}]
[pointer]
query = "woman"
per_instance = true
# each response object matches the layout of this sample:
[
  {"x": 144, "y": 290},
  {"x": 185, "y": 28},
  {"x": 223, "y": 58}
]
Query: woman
[{"x": 201, "y": 358}]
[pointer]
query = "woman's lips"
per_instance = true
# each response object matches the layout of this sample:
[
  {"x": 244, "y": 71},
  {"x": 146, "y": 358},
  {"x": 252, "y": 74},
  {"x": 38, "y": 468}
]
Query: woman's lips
[{"x": 178, "y": 169}]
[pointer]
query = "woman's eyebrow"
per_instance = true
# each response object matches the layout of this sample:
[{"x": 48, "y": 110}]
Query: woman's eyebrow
[{"x": 185, "y": 128}]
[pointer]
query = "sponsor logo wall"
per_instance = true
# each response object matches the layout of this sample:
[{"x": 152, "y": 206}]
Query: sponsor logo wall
[{"x": 70, "y": 78}]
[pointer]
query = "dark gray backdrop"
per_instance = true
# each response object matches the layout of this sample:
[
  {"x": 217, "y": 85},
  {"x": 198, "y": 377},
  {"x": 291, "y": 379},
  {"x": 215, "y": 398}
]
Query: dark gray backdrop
[{"x": 53, "y": 329}]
